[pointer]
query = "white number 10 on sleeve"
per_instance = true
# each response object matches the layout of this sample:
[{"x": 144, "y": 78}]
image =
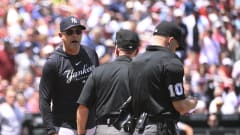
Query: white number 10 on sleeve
[{"x": 175, "y": 90}]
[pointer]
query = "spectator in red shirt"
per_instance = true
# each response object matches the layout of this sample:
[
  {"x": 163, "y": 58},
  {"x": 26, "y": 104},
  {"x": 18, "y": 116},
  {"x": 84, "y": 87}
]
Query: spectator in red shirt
[{"x": 7, "y": 68}]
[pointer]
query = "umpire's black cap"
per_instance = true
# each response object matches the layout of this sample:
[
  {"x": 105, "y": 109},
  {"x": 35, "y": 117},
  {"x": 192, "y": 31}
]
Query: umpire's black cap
[
  {"x": 166, "y": 28},
  {"x": 127, "y": 40},
  {"x": 69, "y": 22}
]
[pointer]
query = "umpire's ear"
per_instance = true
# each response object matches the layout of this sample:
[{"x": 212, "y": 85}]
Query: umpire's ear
[
  {"x": 172, "y": 44},
  {"x": 116, "y": 51}
]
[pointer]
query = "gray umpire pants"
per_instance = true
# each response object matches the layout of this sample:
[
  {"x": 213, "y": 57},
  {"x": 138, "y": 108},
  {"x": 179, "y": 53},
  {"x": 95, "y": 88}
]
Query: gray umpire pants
[
  {"x": 109, "y": 130},
  {"x": 149, "y": 130},
  {"x": 160, "y": 128}
]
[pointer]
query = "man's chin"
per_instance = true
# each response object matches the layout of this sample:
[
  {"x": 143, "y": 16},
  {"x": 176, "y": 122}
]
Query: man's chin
[{"x": 75, "y": 44}]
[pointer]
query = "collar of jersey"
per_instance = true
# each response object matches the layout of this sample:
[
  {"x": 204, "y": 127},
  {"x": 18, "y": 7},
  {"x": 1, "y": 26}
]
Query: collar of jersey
[
  {"x": 156, "y": 48},
  {"x": 123, "y": 58}
]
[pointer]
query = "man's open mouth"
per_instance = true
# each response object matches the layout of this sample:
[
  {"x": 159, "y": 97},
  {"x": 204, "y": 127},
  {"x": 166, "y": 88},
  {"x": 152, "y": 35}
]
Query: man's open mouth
[{"x": 74, "y": 41}]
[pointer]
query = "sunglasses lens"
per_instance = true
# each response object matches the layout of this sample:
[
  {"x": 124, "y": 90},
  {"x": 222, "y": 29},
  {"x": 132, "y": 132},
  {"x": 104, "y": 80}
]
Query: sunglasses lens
[
  {"x": 69, "y": 32},
  {"x": 78, "y": 32}
]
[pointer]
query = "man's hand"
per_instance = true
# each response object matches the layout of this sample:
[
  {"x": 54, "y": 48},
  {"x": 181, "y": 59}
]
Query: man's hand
[{"x": 81, "y": 134}]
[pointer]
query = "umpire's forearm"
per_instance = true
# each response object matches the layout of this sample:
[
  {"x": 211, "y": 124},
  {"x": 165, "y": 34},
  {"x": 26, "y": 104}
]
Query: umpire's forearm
[
  {"x": 82, "y": 116},
  {"x": 185, "y": 105},
  {"x": 190, "y": 103}
]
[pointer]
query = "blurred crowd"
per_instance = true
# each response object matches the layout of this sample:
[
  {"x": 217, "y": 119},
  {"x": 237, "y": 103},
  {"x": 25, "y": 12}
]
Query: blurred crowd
[{"x": 211, "y": 30}]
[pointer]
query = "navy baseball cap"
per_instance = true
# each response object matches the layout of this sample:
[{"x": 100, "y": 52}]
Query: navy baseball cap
[
  {"x": 170, "y": 29},
  {"x": 127, "y": 40},
  {"x": 69, "y": 22}
]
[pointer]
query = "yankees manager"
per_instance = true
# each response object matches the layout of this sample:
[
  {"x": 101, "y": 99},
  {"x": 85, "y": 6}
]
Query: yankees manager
[{"x": 63, "y": 77}]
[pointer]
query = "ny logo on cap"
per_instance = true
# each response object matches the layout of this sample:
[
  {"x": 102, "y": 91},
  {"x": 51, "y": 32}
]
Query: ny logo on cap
[{"x": 74, "y": 20}]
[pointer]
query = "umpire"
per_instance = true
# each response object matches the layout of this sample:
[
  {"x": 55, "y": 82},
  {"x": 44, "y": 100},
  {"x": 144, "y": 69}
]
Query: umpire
[
  {"x": 156, "y": 82},
  {"x": 107, "y": 87}
]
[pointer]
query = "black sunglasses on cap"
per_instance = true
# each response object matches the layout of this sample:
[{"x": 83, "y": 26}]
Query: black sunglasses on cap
[{"x": 71, "y": 32}]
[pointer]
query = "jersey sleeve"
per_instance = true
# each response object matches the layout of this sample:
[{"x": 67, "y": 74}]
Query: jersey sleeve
[
  {"x": 174, "y": 79},
  {"x": 46, "y": 86}
]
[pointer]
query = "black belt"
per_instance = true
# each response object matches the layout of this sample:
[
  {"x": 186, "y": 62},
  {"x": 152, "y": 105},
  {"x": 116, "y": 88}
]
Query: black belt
[
  {"x": 155, "y": 120},
  {"x": 107, "y": 120}
]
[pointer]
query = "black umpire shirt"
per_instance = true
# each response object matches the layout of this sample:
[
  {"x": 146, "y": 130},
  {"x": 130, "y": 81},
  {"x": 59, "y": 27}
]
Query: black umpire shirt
[
  {"x": 107, "y": 87},
  {"x": 156, "y": 79}
]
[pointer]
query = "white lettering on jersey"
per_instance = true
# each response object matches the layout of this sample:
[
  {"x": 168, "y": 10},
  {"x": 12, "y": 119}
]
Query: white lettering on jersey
[{"x": 77, "y": 75}]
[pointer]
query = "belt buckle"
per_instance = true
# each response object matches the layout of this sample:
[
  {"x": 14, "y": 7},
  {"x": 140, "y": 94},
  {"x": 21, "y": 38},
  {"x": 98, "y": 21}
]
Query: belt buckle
[{"x": 108, "y": 121}]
